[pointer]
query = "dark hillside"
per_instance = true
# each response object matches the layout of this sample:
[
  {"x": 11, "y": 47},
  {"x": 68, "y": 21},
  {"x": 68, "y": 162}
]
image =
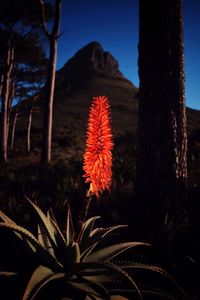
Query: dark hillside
[{"x": 71, "y": 108}]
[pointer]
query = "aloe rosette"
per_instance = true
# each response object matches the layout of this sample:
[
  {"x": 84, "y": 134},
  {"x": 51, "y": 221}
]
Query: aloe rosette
[{"x": 86, "y": 265}]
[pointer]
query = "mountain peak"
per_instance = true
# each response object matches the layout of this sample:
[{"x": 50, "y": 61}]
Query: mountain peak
[{"x": 89, "y": 62}]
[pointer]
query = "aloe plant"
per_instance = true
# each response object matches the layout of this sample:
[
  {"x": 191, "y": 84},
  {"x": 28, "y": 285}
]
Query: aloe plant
[{"x": 82, "y": 264}]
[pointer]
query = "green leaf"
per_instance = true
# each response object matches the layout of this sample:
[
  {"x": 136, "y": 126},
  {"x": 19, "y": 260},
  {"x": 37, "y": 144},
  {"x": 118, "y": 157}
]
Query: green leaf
[
  {"x": 51, "y": 228},
  {"x": 152, "y": 268},
  {"x": 109, "y": 268},
  {"x": 87, "y": 228},
  {"x": 94, "y": 272},
  {"x": 99, "y": 278},
  {"x": 7, "y": 274},
  {"x": 25, "y": 236},
  {"x": 123, "y": 274},
  {"x": 60, "y": 240},
  {"x": 160, "y": 293},
  {"x": 88, "y": 288},
  {"x": 66, "y": 254},
  {"x": 48, "y": 227},
  {"x": 118, "y": 297},
  {"x": 5, "y": 218},
  {"x": 97, "y": 236},
  {"x": 22, "y": 231},
  {"x": 44, "y": 240},
  {"x": 71, "y": 257},
  {"x": 99, "y": 288},
  {"x": 69, "y": 227},
  {"x": 110, "y": 252},
  {"x": 40, "y": 278},
  {"x": 144, "y": 291}
]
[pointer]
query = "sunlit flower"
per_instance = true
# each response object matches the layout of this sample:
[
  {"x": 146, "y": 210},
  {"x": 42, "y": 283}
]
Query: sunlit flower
[{"x": 98, "y": 156}]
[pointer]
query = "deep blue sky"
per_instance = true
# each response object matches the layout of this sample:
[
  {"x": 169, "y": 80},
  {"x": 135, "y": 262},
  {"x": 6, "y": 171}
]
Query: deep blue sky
[{"x": 114, "y": 24}]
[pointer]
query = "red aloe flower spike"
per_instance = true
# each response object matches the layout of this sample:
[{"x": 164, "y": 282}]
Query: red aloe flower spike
[{"x": 97, "y": 160}]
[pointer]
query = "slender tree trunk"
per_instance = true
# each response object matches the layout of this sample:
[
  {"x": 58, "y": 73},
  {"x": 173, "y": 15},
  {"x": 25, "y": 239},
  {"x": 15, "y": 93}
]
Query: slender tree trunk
[
  {"x": 48, "y": 103},
  {"x": 13, "y": 129},
  {"x": 161, "y": 168},
  {"x": 1, "y": 83},
  {"x": 10, "y": 101},
  {"x": 29, "y": 129},
  {"x": 5, "y": 96}
]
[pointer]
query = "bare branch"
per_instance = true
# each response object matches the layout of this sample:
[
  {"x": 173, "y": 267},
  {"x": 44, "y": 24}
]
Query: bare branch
[
  {"x": 56, "y": 26},
  {"x": 58, "y": 36},
  {"x": 43, "y": 19}
]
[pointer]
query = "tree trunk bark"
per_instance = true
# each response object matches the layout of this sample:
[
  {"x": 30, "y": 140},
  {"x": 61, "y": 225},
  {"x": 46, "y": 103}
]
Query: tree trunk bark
[
  {"x": 161, "y": 168},
  {"x": 1, "y": 83},
  {"x": 48, "y": 103},
  {"x": 5, "y": 95},
  {"x": 29, "y": 130},
  {"x": 13, "y": 129},
  {"x": 10, "y": 101}
]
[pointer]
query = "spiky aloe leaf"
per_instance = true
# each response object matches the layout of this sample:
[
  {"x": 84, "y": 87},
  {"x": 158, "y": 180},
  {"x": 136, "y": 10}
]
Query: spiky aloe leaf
[
  {"x": 44, "y": 240},
  {"x": 97, "y": 236},
  {"x": 94, "y": 272},
  {"x": 72, "y": 256},
  {"x": 152, "y": 268},
  {"x": 7, "y": 274},
  {"x": 58, "y": 248},
  {"x": 144, "y": 291},
  {"x": 5, "y": 218},
  {"x": 99, "y": 288},
  {"x": 114, "y": 271},
  {"x": 60, "y": 240},
  {"x": 50, "y": 215},
  {"x": 69, "y": 227},
  {"x": 107, "y": 230},
  {"x": 108, "y": 253},
  {"x": 39, "y": 279},
  {"x": 161, "y": 293},
  {"x": 66, "y": 254},
  {"x": 118, "y": 297},
  {"x": 98, "y": 275},
  {"x": 28, "y": 238},
  {"x": 87, "y": 228},
  {"x": 101, "y": 278},
  {"x": 76, "y": 252},
  {"x": 55, "y": 236},
  {"x": 123, "y": 274},
  {"x": 48, "y": 227},
  {"x": 89, "y": 288}
]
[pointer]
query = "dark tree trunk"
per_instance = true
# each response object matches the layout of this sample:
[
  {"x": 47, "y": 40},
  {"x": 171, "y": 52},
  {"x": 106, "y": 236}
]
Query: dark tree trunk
[
  {"x": 48, "y": 103},
  {"x": 5, "y": 97},
  {"x": 29, "y": 129},
  {"x": 13, "y": 129},
  {"x": 10, "y": 101},
  {"x": 161, "y": 169},
  {"x": 1, "y": 83}
]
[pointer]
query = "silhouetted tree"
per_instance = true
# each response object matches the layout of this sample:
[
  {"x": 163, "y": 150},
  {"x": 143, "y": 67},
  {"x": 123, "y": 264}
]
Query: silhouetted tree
[
  {"x": 15, "y": 117},
  {"x": 21, "y": 56},
  {"x": 7, "y": 70},
  {"x": 31, "y": 104},
  {"x": 161, "y": 169},
  {"x": 50, "y": 84},
  {"x": 22, "y": 43}
]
